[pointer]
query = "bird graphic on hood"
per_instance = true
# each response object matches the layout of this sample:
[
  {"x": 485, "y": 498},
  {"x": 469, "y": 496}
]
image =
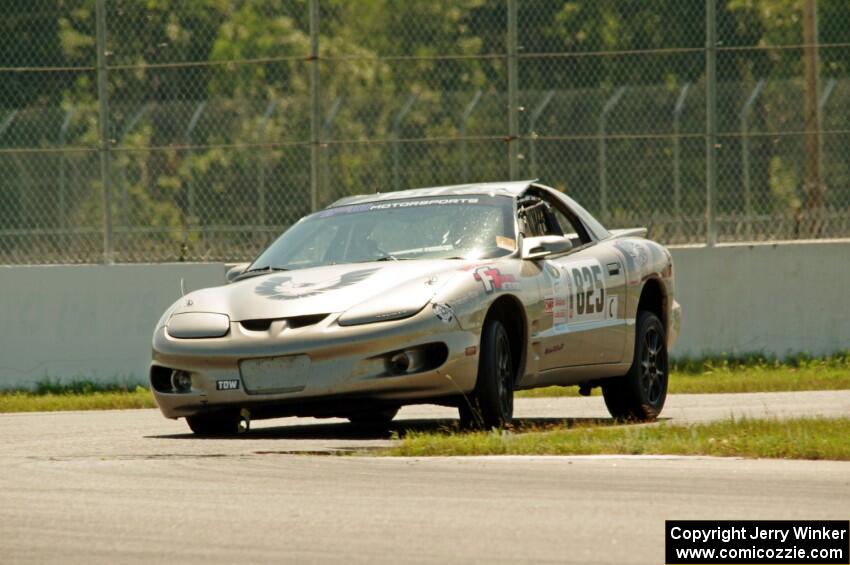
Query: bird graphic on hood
[{"x": 282, "y": 287}]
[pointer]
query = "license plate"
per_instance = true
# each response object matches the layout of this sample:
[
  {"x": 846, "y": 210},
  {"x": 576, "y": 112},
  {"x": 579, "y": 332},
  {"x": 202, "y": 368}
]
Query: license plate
[{"x": 275, "y": 374}]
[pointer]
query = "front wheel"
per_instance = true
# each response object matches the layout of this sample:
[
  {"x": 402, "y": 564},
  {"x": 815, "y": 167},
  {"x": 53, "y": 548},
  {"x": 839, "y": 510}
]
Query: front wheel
[
  {"x": 491, "y": 404},
  {"x": 218, "y": 423},
  {"x": 640, "y": 394}
]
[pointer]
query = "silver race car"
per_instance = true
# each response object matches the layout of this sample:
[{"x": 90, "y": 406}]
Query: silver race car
[{"x": 455, "y": 295}]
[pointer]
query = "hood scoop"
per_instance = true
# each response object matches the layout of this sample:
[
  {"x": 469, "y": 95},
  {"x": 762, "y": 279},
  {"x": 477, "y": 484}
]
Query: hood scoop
[{"x": 294, "y": 322}]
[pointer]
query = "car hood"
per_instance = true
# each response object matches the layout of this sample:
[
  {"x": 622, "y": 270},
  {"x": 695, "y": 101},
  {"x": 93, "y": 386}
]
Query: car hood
[{"x": 329, "y": 289}]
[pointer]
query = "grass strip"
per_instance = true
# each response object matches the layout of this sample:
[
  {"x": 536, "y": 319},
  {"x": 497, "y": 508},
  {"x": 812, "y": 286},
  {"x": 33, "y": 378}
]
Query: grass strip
[
  {"x": 18, "y": 401},
  {"x": 752, "y": 374},
  {"x": 698, "y": 376},
  {"x": 800, "y": 438}
]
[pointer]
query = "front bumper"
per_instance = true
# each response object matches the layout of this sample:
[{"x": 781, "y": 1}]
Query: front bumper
[{"x": 346, "y": 366}]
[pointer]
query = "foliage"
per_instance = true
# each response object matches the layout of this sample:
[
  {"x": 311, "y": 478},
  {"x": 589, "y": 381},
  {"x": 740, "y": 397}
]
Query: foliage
[
  {"x": 241, "y": 73},
  {"x": 86, "y": 398}
]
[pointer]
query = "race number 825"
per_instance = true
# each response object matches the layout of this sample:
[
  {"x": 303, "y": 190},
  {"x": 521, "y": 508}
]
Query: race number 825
[{"x": 589, "y": 290}]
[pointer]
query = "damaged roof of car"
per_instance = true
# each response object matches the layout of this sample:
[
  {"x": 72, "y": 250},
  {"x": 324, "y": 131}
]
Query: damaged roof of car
[{"x": 510, "y": 188}]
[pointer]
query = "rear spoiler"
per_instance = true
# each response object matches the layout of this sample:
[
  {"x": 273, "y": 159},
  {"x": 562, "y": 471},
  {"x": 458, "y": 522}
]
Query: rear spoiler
[{"x": 629, "y": 232}]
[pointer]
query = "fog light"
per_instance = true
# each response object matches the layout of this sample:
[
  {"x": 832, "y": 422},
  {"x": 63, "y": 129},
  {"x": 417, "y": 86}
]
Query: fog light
[
  {"x": 399, "y": 363},
  {"x": 181, "y": 381}
]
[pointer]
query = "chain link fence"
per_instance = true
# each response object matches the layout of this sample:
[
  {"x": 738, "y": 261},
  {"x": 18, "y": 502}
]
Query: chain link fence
[{"x": 165, "y": 131}]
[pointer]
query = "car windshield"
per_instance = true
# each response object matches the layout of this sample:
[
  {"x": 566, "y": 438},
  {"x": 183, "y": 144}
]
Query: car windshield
[{"x": 439, "y": 227}]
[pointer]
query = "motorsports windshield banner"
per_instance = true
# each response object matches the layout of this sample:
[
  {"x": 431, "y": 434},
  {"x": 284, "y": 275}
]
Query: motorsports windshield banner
[{"x": 694, "y": 542}]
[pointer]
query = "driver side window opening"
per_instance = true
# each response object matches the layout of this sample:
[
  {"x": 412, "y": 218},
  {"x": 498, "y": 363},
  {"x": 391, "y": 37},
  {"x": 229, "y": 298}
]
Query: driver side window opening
[{"x": 539, "y": 217}]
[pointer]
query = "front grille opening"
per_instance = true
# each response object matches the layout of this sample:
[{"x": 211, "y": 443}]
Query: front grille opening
[
  {"x": 416, "y": 359},
  {"x": 161, "y": 378},
  {"x": 301, "y": 321},
  {"x": 172, "y": 381},
  {"x": 263, "y": 324},
  {"x": 259, "y": 325}
]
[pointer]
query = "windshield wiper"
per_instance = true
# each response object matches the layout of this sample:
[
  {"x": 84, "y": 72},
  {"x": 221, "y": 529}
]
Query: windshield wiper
[
  {"x": 258, "y": 271},
  {"x": 391, "y": 257}
]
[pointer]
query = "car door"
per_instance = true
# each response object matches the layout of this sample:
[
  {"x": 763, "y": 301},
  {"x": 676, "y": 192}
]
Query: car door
[{"x": 584, "y": 291}]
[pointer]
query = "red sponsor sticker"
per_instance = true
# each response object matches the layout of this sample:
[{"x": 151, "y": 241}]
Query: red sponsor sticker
[{"x": 494, "y": 280}]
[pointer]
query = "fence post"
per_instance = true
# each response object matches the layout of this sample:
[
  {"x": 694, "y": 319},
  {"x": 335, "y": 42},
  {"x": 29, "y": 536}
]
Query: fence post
[
  {"x": 513, "y": 93},
  {"x": 711, "y": 120},
  {"x": 103, "y": 118},
  {"x": 315, "y": 107},
  {"x": 603, "y": 150},
  {"x": 813, "y": 185}
]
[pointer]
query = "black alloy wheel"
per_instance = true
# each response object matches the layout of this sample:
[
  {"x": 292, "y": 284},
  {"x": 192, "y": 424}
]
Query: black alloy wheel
[
  {"x": 491, "y": 404},
  {"x": 640, "y": 393}
]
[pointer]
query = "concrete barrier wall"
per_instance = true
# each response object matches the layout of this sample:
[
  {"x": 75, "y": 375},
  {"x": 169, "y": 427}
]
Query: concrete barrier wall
[
  {"x": 779, "y": 299},
  {"x": 95, "y": 322}
]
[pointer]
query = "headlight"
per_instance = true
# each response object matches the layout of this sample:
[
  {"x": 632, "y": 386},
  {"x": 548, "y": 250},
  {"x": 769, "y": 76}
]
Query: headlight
[
  {"x": 397, "y": 304},
  {"x": 192, "y": 325},
  {"x": 181, "y": 381},
  {"x": 369, "y": 315}
]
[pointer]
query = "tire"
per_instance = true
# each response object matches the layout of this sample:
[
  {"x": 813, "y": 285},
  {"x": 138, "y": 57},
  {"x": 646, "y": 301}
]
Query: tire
[
  {"x": 640, "y": 394},
  {"x": 491, "y": 404},
  {"x": 217, "y": 424},
  {"x": 374, "y": 417}
]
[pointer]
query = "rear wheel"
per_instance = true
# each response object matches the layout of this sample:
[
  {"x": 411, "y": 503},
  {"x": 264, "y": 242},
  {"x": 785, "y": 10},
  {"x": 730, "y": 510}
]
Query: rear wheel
[
  {"x": 218, "y": 423},
  {"x": 491, "y": 404},
  {"x": 640, "y": 394},
  {"x": 374, "y": 417}
]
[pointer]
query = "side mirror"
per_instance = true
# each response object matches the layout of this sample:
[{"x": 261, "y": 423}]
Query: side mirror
[
  {"x": 539, "y": 247},
  {"x": 234, "y": 272}
]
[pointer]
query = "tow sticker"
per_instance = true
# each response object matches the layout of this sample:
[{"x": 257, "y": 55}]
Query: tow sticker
[{"x": 229, "y": 384}]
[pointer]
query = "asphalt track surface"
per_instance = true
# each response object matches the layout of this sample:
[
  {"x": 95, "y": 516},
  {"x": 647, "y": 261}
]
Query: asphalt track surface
[{"x": 131, "y": 486}]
